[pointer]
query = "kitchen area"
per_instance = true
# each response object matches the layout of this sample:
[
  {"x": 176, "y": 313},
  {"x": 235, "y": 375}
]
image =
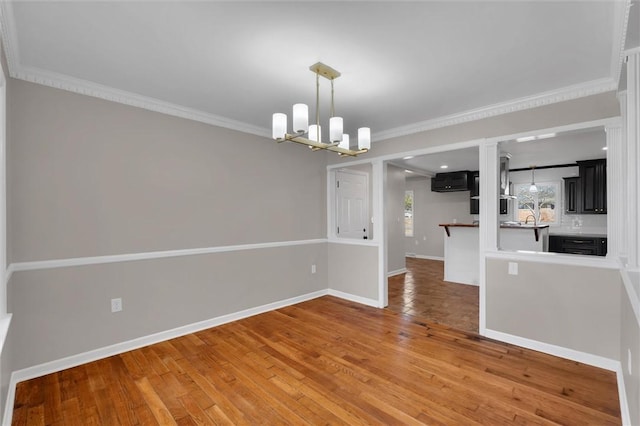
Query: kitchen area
[{"x": 552, "y": 200}]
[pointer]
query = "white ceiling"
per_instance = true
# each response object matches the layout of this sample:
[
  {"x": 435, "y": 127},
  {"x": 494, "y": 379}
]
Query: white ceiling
[{"x": 404, "y": 64}]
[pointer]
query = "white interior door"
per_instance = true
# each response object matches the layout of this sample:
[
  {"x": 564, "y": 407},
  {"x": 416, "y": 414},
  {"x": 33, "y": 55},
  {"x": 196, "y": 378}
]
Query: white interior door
[{"x": 352, "y": 201}]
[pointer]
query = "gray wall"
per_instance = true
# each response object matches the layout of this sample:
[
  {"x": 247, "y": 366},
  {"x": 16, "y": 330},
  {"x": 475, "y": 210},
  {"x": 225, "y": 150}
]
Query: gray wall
[
  {"x": 353, "y": 269},
  {"x": 431, "y": 209},
  {"x": 394, "y": 216},
  {"x": 573, "y": 307},
  {"x": 65, "y": 311},
  {"x": 90, "y": 177}
]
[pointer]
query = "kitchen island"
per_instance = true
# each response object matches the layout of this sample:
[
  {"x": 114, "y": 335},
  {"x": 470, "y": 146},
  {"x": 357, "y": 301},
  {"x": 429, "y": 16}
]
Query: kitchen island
[{"x": 462, "y": 247}]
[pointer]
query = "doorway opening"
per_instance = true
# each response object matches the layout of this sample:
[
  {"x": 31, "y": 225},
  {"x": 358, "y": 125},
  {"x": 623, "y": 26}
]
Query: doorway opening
[{"x": 415, "y": 241}]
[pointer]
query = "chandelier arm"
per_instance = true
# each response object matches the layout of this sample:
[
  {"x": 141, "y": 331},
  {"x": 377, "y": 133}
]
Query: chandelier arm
[
  {"x": 332, "y": 110},
  {"x": 317, "y": 146},
  {"x": 318, "y": 106}
]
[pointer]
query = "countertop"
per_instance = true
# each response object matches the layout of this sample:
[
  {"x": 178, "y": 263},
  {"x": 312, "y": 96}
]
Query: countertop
[
  {"x": 536, "y": 228},
  {"x": 502, "y": 225}
]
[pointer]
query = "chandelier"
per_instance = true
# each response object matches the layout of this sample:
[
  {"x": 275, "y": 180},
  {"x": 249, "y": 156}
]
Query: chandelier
[{"x": 311, "y": 135}]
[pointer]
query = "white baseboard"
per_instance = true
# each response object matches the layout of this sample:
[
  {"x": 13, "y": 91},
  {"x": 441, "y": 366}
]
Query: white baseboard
[
  {"x": 353, "y": 298},
  {"x": 396, "y": 272},
  {"x": 422, "y": 256},
  {"x": 622, "y": 394},
  {"x": 583, "y": 357},
  {"x": 118, "y": 348}
]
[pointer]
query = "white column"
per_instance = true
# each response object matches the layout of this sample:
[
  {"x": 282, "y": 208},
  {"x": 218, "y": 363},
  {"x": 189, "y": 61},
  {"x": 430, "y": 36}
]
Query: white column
[
  {"x": 3, "y": 194},
  {"x": 378, "y": 173},
  {"x": 633, "y": 156},
  {"x": 616, "y": 212},
  {"x": 488, "y": 231}
]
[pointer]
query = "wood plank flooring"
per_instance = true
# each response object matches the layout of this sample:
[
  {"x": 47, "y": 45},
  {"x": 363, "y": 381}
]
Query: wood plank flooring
[
  {"x": 423, "y": 292},
  {"x": 325, "y": 361}
]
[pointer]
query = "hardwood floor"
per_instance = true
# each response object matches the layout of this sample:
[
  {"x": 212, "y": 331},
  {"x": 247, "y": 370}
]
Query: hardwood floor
[
  {"x": 423, "y": 292},
  {"x": 325, "y": 361}
]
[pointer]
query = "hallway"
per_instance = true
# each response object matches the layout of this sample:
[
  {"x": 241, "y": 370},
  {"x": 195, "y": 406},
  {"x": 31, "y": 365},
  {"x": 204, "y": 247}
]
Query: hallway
[{"x": 422, "y": 292}]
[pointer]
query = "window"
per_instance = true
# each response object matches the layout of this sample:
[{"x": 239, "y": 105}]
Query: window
[
  {"x": 540, "y": 205},
  {"x": 408, "y": 213}
]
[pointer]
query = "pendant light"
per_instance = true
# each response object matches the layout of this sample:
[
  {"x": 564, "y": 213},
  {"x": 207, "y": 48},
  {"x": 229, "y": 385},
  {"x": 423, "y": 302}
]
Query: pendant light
[{"x": 533, "y": 187}]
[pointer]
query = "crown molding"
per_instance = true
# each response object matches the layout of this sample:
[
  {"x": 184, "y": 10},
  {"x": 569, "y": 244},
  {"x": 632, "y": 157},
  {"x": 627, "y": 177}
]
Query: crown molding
[
  {"x": 554, "y": 96},
  {"x": 9, "y": 35},
  {"x": 620, "y": 26},
  {"x": 88, "y": 88}
]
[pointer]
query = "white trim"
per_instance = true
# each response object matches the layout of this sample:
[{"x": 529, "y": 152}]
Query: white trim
[
  {"x": 422, "y": 256},
  {"x": 118, "y": 348},
  {"x": 555, "y": 258},
  {"x": 379, "y": 179},
  {"x": 562, "y": 94},
  {"x": 8, "y": 274},
  {"x": 354, "y": 242},
  {"x": 9, "y": 35},
  {"x": 603, "y": 122},
  {"x": 562, "y": 352},
  {"x": 353, "y": 298},
  {"x": 5, "y": 321},
  {"x": 416, "y": 152},
  {"x": 629, "y": 52},
  {"x": 8, "y": 405},
  {"x": 622, "y": 394},
  {"x": 96, "y": 260},
  {"x": 397, "y": 272},
  {"x": 632, "y": 295},
  {"x": 620, "y": 27}
]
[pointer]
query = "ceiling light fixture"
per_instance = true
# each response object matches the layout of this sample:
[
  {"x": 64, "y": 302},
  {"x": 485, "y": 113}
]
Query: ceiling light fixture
[
  {"x": 533, "y": 187},
  {"x": 338, "y": 141},
  {"x": 604, "y": 148},
  {"x": 533, "y": 138},
  {"x": 444, "y": 166}
]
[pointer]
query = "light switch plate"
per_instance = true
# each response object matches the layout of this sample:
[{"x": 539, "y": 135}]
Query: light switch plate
[{"x": 513, "y": 268}]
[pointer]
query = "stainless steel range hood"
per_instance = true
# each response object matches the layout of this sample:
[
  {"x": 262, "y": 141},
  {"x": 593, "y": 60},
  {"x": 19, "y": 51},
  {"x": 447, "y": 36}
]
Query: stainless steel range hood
[{"x": 505, "y": 184}]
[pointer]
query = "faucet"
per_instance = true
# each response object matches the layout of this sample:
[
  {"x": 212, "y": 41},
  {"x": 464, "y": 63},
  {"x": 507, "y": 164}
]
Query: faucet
[{"x": 526, "y": 220}]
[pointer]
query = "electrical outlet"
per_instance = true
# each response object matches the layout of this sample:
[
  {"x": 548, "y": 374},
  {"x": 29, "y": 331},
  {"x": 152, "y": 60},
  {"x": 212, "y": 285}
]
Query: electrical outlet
[
  {"x": 513, "y": 268},
  {"x": 313, "y": 269},
  {"x": 116, "y": 305}
]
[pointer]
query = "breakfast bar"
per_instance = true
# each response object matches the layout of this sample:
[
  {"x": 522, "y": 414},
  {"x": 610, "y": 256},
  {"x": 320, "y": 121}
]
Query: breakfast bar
[{"x": 462, "y": 247}]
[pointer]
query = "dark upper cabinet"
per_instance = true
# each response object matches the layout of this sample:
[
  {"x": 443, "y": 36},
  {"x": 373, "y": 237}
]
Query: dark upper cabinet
[
  {"x": 474, "y": 202},
  {"x": 587, "y": 194},
  {"x": 572, "y": 197},
  {"x": 450, "y": 182},
  {"x": 593, "y": 182}
]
